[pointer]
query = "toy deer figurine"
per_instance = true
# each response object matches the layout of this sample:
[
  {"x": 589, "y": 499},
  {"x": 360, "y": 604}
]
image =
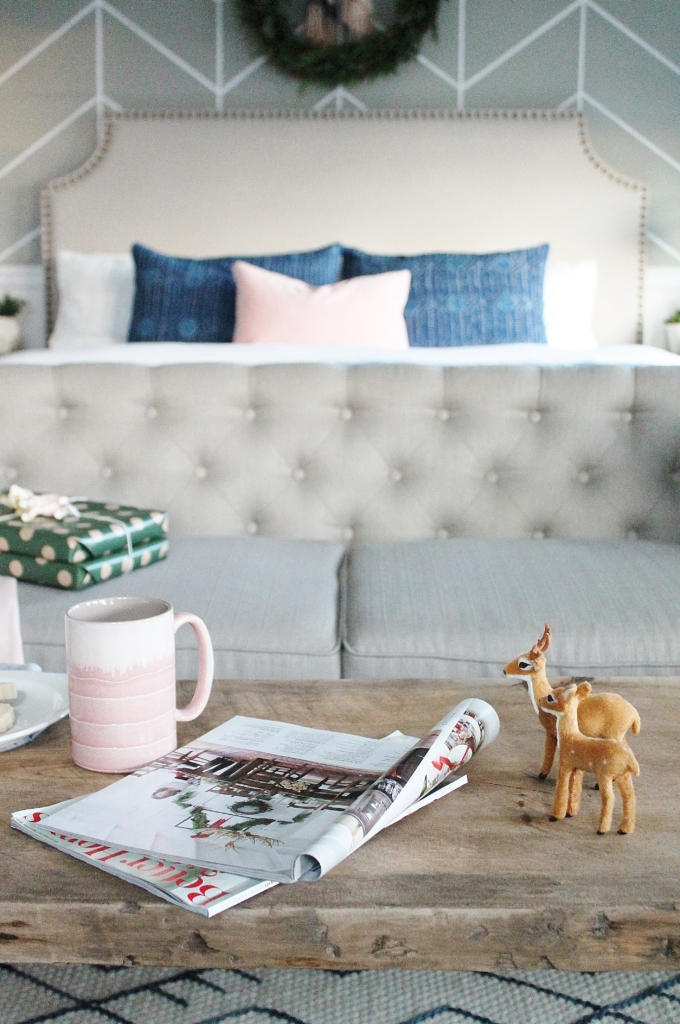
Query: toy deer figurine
[
  {"x": 610, "y": 760},
  {"x": 606, "y": 715}
]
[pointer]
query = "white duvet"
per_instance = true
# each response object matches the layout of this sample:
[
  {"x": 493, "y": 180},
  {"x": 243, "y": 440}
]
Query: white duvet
[{"x": 167, "y": 352}]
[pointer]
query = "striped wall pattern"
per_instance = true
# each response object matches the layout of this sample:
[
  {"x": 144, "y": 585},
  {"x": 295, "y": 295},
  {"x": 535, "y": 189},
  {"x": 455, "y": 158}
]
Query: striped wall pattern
[{"x": 63, "y": 64}]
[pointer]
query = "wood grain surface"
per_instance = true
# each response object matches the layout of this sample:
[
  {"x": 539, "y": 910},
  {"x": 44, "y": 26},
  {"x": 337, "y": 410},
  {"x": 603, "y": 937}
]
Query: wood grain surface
[{"x": 480, "y": 880}]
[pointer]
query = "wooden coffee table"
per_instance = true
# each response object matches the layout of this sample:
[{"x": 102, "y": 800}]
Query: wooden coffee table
[{"x": 480, "y": 880}]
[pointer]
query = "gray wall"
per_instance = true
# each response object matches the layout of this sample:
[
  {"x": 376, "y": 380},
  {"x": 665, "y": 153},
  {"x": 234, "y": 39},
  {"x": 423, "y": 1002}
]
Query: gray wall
[{"x": 621, "y": 75}]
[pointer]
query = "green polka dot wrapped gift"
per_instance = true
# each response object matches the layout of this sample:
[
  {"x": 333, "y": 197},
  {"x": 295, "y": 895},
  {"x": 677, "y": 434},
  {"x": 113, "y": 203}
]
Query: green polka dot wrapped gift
[{"x": 73, "y": 543}]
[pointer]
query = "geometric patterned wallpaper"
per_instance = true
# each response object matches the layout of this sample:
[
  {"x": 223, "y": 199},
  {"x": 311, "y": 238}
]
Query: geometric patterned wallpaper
[{"x": 64, "y": 63}]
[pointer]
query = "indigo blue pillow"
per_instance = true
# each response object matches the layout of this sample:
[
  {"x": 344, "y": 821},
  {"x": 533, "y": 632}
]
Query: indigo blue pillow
[
  {"x": 178, "y": 299},
  {"x": 456, "y": 299}
]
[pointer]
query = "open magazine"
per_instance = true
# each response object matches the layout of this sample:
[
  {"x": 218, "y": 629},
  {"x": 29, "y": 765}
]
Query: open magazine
[
  {"x": 263, "y": 801},
  {"x": 203, "y": 890}
]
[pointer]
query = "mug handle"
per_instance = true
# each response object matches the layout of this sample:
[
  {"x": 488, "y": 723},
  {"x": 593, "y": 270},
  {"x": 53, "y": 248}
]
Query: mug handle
[{"x": 206, "y": 666}]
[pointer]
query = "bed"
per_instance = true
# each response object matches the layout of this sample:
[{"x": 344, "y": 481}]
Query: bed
[
  {"x": 201, "y": 185},
  {"x": 358, "y": 512}
]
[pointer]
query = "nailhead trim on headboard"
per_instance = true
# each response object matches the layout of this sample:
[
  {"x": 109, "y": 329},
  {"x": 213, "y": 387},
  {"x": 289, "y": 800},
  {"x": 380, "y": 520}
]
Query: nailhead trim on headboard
[
  {"x": 454, "y": 115},
  {"x": 621, "y": 179}
]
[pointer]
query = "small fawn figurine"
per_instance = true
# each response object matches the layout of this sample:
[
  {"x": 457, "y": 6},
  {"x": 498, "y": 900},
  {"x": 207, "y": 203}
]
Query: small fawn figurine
[
  {"x": 606, "y": 715},
  {"x": 610, "y": 760}
]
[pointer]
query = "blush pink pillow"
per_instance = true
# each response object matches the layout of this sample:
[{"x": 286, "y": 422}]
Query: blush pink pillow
[{"x": 273, "y": 309}]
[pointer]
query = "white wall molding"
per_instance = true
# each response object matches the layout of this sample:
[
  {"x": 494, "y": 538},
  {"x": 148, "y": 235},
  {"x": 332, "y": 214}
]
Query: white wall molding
[
  {"x": 633, "y": 36},
  {"x": 460, "y": 64},
  {"x": 20, "y": 244},
  {"x": 513, "y": 51},
  {"x": 27, "y": 282},
  {"x": 48, "y": 41},
  {"x": 340, "y": 98},
  {"x": 668, "y": 249},
  {"x": 662, "y": 299},
  {"x": 638, "y": 136}
]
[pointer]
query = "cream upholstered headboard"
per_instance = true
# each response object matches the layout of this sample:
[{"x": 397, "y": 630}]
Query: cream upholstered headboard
[{"x": 210, "y": 185}]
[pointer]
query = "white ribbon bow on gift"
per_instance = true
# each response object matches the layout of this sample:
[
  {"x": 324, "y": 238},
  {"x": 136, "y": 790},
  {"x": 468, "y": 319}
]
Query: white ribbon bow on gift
[{"x": 28, "y": 507}]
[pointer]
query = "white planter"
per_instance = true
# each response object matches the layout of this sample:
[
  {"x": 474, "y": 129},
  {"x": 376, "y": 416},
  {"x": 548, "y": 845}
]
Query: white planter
[
  {"x": 673, "y": 337},
  {"x": 10, "y": 333}
]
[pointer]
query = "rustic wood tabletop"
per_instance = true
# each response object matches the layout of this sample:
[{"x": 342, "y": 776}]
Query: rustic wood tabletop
[{"x": 479, "y": 880}]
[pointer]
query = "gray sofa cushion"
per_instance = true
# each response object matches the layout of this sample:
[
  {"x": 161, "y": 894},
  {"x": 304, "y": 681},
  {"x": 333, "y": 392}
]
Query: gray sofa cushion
[
  {"x": 271, "y": 606},
  {"x": 464, "y": 607}
]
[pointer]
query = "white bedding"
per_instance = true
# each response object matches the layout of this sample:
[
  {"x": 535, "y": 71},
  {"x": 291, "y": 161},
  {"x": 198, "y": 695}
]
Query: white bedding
[{"x": 168, "y": 352}]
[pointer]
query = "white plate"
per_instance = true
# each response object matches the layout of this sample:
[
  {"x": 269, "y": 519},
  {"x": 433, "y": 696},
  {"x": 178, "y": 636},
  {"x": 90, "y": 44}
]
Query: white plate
[{"x": 41, "y": 700}]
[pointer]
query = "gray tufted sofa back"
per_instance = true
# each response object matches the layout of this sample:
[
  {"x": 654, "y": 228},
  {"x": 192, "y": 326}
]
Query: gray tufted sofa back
[{"x": 361, "y": 452}]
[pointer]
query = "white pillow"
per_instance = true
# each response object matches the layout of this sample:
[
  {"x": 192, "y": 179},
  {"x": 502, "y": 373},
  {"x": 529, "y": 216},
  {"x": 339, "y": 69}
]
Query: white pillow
[
  {"x": 569, "y": 292},
  {"x": 95, "y": 299}
]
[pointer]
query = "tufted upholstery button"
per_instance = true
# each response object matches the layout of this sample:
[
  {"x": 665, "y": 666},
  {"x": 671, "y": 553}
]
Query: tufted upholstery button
[
  {"x": 351, "y": 474},
  {"x": 535, "y": 416},
  {"x": 347, "y": 533},
  {"x": 299, "y": 473},
  {"x": 442, "y": 534},
  {"x": 251, "y": 528},
  {"x": 63, "y": 412},
  {"x": 538, "y": 534},
  {"x": 632, "y": 535}
]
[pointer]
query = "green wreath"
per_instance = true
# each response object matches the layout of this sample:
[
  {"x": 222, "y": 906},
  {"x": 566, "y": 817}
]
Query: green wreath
[{"x": 337, "y": 49}]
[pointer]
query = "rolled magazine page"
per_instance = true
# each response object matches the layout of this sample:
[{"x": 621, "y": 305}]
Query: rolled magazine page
[{"x": 450, "y": 744}]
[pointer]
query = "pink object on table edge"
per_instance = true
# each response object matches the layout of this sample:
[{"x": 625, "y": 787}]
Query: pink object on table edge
[
  {"x": 11, "y": 646},
  {"x": 121, "y": 678}
]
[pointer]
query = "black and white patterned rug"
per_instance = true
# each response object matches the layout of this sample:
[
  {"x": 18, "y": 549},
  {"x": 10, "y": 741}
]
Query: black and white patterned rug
[{"x": 31, "y": 994}]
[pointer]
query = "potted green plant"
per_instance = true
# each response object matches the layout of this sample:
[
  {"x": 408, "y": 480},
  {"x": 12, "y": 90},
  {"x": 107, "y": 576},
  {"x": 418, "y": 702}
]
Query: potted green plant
[
  {"x": 673, "y": 332},
  {"x": 10, "y": 332}
]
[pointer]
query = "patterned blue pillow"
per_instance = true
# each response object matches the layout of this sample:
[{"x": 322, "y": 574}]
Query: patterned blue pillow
[
  {"x": 179, "y": 299},
  {"x": 466, "y": 299}
]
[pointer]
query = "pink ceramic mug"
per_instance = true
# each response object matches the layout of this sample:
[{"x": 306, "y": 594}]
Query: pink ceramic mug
[{"x": 121, "y": 680}]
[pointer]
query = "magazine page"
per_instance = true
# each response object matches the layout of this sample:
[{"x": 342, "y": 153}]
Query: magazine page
[
  {"x": 443, "y": 789},
  {"x": 202, "y": 890},
  {"x": 250, "y": 796},
  {"x": 449, "y": 745}
]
